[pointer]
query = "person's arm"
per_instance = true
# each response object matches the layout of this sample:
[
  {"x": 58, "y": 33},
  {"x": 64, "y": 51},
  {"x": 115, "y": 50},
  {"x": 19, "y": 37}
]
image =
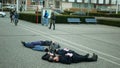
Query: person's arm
[{"x": 46, "y": 56}]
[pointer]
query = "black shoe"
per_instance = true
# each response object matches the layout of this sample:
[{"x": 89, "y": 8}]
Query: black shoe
[
  {"x": 94, "y": 57},
  {"x": 53, "y": 28},
  {"x": 87, "y": 55},
  {"x": 46, "y": 50},
  {"x": 23, "y": 43},
  {"x": 49, "y": 28}
]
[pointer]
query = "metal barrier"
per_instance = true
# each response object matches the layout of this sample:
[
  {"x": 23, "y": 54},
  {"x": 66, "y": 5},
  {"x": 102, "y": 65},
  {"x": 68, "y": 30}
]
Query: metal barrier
[
  {"x": 90, "y": 20},
  {"x": 73, "y": 20}
]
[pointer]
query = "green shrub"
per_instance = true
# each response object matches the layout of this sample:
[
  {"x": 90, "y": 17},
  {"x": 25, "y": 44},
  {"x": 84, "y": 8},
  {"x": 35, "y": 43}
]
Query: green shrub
[
  {"x": 29, "y": 17},
  {"x": 59, "y": 18},
  {"x": 109, "y": 22}
]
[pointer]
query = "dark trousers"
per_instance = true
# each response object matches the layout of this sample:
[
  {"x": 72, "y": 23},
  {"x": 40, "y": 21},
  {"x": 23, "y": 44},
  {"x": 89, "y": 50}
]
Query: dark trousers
[
  {"x": 41, "y": 43},
  {"x": 52, "y": 22},
  {"x": 80, "y": 58}
]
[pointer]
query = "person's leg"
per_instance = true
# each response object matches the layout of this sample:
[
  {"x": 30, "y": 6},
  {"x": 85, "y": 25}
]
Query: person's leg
[
  {"x": 15, "y": 21},
  {"x": 53, "y": 24},
  {"x": 27, "y": 44},
  {"x": 11, "y": 19},
  {"x": 31, "y": 44},
  {"x": 87, "y": 59},
  {"x": 39, "y": 48},
  {"x": 36, "y": 42},
  {"x": 50, "y": 24},
  {"x": 80, "y": 58}
]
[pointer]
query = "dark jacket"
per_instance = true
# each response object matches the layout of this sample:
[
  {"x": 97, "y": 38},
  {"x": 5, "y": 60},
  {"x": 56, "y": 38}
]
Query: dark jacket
[
  {"x": 63, "y": 52},
  {"x": 65, "y": 59}
]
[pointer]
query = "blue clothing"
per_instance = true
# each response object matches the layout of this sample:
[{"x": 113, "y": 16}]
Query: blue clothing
[
  {"x": 38, "y": 45},
  {"x": 46, "y": 14},
  {"x": 46, "y": 21},
  {"x": 16, "y": 15},
  {"x": 39, "y": 48}
]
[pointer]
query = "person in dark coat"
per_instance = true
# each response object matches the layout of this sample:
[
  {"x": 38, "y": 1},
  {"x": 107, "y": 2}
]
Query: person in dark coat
[
  {"x": 63, "y": 51},
  {"x": 16, "y": 16},
  {"x": 52, "y": 21},
  {"x": 68, "y": 58},
  {"x": 12, "y": 15}
]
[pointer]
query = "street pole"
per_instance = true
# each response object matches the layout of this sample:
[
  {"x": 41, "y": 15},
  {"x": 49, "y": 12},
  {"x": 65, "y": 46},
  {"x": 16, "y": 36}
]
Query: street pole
[
  {"x": 25, "y": 5},
  {"x": 116, "y": 6},
  {"x": 17, "y": 5},
  {"x": 2, "y": 5},
  {"x": 88, "y": 7},
  {"x": 37, "y": 12}
]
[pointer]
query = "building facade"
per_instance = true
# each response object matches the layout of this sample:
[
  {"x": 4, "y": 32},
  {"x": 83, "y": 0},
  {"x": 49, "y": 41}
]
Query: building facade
[{"x": 102, "y": 5}]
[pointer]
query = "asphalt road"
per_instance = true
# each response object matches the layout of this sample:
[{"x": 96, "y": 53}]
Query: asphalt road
[{"x": 82, "y": 38}]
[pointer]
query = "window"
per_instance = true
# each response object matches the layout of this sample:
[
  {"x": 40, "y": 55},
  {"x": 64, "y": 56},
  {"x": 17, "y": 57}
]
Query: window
[
  {"x": 63, "y": 0},
  {"x": 57, "y": 4},
  {"x": 41, "y": 2},
  {"x": 71, "y": 0},
  {"x": 113, "y": 2},
  {"x": 94, "y": 1},
  {"x": 100, "y": 1},
  {"x": 106, "y": 1},
  {"x": 79, "y": 0},
  {"x": 86, "y": 1}
]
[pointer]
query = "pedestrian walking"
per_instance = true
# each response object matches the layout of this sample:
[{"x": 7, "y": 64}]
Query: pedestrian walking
[
  {"x": 16, "y": 16},
  {"x": 11, "y": 15},
  {"x": 52, "y": 21}
]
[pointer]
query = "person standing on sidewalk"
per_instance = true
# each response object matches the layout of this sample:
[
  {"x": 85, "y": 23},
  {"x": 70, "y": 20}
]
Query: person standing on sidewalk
[{"x": 52, "y": 20}]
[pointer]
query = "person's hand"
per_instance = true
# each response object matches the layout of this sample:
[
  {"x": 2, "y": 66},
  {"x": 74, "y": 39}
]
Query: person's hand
[
  {"x": 56, "y": 58},
  {"x": 66, "y": 49},
  {"x": 50, "y": 53}
]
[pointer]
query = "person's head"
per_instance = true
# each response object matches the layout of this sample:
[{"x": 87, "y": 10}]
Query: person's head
[
  {"x": 52, "y": 13},
  {"x": 56, "y": 59},
  {"x": 53, "y": 59},
  {"x": 50, "y": 59}
]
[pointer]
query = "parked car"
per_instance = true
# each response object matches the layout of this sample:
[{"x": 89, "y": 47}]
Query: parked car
[
  {"x": 9, "y": 6},
  {"x": 58, "y": 11},
  {"x": 79, "y": 13},
  {"x": 3, "y": 14}
]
